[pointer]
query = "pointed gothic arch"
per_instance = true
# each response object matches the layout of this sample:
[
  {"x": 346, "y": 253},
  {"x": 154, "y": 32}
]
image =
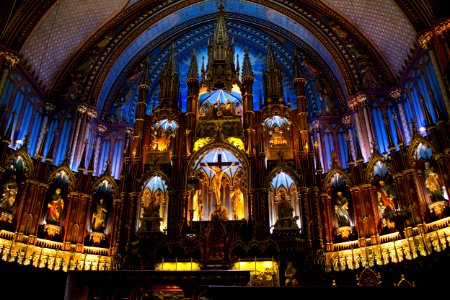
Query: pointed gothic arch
[
  {"x": 20, "y": 162},
  {"x": 283, "y": 183},
  {"x": 222, "y": 180},
  {"x": 153, "y": 212}
]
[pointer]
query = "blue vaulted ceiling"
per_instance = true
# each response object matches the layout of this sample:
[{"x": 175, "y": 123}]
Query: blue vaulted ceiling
[{"x": 251, "y": 25}]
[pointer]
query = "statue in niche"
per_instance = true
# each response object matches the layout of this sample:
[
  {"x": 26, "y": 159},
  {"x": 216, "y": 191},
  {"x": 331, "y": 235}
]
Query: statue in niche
[
  {"x": 286, "y": 219},
  {"x": 385, "y": 197},
  {"x": 434, "y": 187},
  {"x": 197, "y": 205},
  {"x": 226, "y": 109},
  {"x": 328, "y": 106},
  {"x": 385, "y": 202},
  {"x": 146, "y": 195},
  {"x": 285, "y": 209},
  {"x": 341, "y": 209},
  {"x": 277, "y": 137},
  {"x": 160, "y": 140},
  {"x": 212, "y": 111},
  {"x": 237, "y": 203},
  {"x": 155, "y": 204},
  {"x": 55, "y": 208},
  {"x": 151, "y": 217},
  {"x": 220, "y": 213},
  {"x": 99, "y": 216},
  {"x": 290, "y": 275},
  {"x": 10, "y": 190}
]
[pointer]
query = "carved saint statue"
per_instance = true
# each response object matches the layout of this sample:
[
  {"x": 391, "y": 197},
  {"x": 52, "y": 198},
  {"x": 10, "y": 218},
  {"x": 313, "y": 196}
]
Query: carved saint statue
[
  {"x": 237, "y": 204},
  {"x": 55, "y": 208},
  {"x": 9, "y": 195},
  {"x": 341, "y": 210},
  {"x": 99, "y": 216},
  {"x": 433, "y": 184}
]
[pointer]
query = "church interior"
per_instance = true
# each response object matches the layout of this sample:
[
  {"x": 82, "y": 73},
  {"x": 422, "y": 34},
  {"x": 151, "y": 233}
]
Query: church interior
[{"x": 210, "y": 149}]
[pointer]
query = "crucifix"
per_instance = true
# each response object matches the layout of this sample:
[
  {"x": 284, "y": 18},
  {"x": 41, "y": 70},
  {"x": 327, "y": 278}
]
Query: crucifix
[{"x": 216, "y": 181}]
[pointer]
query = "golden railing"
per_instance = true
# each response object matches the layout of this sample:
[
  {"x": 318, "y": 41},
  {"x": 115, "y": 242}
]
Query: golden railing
[
  {"x": 423, "y": 240},
  {"x": 414, "y": 242},
  {"x": 40, "y": 253}
]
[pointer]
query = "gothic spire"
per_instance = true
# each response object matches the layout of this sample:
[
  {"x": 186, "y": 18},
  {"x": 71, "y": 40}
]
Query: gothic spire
[
  {"x": 271, "y": 62},
  {"x": 220, "y": 32},
  {"x": 107, "y": 168},
  {"x": 429, "y": 119},
  {"x": 26, "y": 142},
  {"x": 273, "y": 79},
  {"x": 237, "y": 65},
  {"x": 193, "y": 68},
  {"x": 66, "y": 161},
  {"x": 169, "y": 87},
  {"x": 247, "y": 71},
  {"x": 40, "y": 151},
  {"x": 398, "y": 131},
  {"x": 171, "y": 67},
  {"x": 220, "y": 70}
]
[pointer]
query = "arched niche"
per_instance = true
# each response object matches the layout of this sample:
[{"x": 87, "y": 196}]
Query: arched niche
[
  {"x": 217, "y": 187},
  {"x": 100, "y": 217},
  {"x": 283, "y": 189},
  {"x": 154, "y": 204}
]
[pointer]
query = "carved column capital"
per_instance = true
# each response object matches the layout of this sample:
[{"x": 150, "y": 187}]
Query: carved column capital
[
  {"x": 347, "y": 120},
  {"x": 91, "y": 113},
  {"x": 101, "y": 129},
  {"x": 396, "y": 93},
  {"x": 10, "y": 58},
  {"x": 352, "y": 103},
  {"x": 49, "y": 107},
  {"x": 82, "y": 109}
]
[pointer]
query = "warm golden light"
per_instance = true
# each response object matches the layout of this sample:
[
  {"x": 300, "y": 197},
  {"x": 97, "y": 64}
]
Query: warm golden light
[
  {"x": 237, "y": 142},
  {"x": 262, "y": 272},
  {"x": 202, "y": 91},
  {"x": 255, "y": 265},
  {"x": 235, "y": 88},
  {"x": 200, "y": 143},
  {"x": 178, "y": 266}
]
